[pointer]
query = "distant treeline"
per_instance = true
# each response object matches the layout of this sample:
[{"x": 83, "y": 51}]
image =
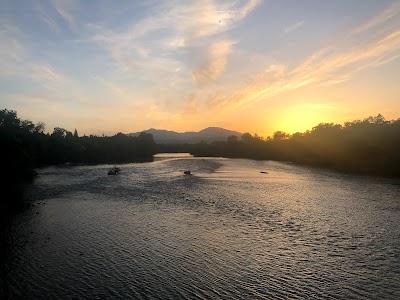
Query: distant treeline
[
  {"x": 370, "y": 146},
  {"x": 24, "y": 146}
]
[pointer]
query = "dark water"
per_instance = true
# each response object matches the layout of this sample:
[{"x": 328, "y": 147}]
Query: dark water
[{"x": 226, "y": 232}]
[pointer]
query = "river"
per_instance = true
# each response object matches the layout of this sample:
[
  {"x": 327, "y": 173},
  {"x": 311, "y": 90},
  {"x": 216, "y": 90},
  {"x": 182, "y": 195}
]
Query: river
[{"x": 227, "y": 231}]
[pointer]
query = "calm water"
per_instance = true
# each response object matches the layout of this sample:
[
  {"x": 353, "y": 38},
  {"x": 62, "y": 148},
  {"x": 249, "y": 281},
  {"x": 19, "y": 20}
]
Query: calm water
[{"x": 225, "y": 232}]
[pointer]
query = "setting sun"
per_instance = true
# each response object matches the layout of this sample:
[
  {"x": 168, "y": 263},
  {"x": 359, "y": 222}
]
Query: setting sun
[
  {"x": 206, "y": 149},
  {"x": 185, "y": 66},
  {"x": 300, "y": 119}
]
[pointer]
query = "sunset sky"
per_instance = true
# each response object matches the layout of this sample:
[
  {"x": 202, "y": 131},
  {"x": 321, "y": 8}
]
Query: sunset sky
[{"x": 252, "y": 66}]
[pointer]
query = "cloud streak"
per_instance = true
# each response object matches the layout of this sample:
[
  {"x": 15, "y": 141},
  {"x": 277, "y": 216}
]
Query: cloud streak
[
  {"x": 46, "y": 73},
  {"x": 330, "y": 65},
  {"x": 172, "y": 61},
  {"x": 293, "y": 27},
  {"x": 63, "y": 12},
  {"x": 179, "y": 37},
  {"x": 211, "y": 61},
  {"x": 115, "y": 89},
  {"x": 15, "y": 61},
  {"x": 384, "y": 16},
  {"x": 11, "y": 50}
]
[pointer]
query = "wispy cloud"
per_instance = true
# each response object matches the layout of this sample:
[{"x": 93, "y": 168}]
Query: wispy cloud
[
  {"x": 115, "y": 89},
  {"x": 45, "y": 17},
  {"x": 15, "y": 60},
  {"x": 44, "y": 72},
  {"x": 191, "y": 106},
  {"x": 293, "y": 27},
  {"x": 63, "y": 11},
  {"x": 182, "y": 60},
  {"x": 154, "y": 112},
  {"x": 330, "y": 65},
  {"x": 247, "y": 8},
  {"x": 390, "y": 12},
  {"x": 178, "y": 37},
  {"x": 211, "y": 61},
  {"x": 11, "y": 50}
]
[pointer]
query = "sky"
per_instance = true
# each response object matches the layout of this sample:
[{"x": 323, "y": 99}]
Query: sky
[{"x": 255, "y": 66}]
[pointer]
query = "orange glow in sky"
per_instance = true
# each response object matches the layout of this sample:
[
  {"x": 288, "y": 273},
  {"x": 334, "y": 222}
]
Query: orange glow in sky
[
  {"x": 299, "y": 121},
  {"x": 249, "y": 65}
]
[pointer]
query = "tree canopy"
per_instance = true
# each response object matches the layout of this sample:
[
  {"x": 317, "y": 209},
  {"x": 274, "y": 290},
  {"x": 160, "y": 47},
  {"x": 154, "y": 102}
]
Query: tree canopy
[{"x": 368, "y": 146}]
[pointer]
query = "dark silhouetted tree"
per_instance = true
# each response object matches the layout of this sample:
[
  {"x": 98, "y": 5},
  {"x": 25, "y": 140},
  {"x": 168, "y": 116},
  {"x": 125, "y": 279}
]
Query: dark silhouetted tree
[{"x": 368, "y": 146}]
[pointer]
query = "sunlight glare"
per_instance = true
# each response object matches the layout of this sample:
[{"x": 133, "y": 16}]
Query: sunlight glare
[{"x": 298, "y": 121}]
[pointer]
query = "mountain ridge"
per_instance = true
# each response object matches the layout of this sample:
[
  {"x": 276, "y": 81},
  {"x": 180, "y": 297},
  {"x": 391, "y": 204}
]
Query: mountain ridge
[{"x": 208, "y": 134}]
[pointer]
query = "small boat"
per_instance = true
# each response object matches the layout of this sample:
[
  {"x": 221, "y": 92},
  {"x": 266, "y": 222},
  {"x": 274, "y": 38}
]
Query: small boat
[
  {"x": 114, "y": 170},
  {"x": 187, "y": 172},
  {"x": 264, "y": 172}
]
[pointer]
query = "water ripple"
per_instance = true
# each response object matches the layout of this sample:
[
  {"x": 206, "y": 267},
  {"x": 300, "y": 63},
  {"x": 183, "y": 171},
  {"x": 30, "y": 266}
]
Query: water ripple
[{"x": 226, "y": 232}]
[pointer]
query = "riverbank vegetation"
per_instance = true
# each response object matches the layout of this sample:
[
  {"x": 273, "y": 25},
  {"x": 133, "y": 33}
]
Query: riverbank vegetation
[
  {"x": 25, "y": 146},
  {"x": 370, "y": 146}
]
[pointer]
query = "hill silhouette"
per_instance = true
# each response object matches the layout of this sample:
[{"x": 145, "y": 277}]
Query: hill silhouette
[
  {"x": 209, "y": 134},
  {"x": 370, "y": 146}
]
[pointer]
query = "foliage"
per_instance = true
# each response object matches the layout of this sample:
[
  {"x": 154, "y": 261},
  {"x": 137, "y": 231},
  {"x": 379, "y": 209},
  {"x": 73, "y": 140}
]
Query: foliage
[
  {"x": 369, "y": 146},
  {"x": 25, "y": 145}
]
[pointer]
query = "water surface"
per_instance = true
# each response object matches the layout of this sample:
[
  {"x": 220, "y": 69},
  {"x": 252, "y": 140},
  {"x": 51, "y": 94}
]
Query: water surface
[{"x": 225, "y": 232}]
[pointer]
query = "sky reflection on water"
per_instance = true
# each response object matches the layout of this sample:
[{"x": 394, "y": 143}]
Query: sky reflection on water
[{"x": 228, "y": 231}]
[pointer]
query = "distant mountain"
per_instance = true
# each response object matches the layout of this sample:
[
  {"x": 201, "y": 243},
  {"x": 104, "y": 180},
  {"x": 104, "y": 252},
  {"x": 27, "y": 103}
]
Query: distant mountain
[{"x": 208, "y": 135}]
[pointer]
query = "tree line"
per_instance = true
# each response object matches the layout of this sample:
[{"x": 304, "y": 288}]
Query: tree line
[
  {"x": 25, "y": 146},
  {"x": 369, "y": 146}
]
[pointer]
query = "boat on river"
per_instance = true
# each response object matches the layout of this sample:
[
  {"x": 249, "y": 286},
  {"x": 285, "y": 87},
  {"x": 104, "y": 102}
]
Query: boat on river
[{"x": 114, "y": 170}]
